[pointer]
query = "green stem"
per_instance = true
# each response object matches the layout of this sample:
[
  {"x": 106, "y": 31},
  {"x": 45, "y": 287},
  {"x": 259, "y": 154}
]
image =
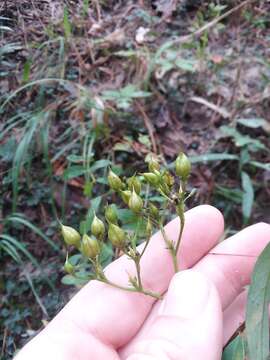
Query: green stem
[
  {"x": 175, "y": 262},
  {"x": 133, "y": 289},
  {"x": 171, "y": 248},
  {"x": 182, "y": 224},
  {"x": 145, "y": 247},
  {"x": 102, "y": 278},
  {"x": 138, "y": 270}
]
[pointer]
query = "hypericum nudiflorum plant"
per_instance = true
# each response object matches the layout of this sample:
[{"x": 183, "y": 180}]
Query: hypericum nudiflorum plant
[{"x": 150, "y": 217}]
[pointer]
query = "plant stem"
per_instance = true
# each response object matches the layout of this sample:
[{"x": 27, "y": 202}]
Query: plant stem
[
  {"x": 174, "y": 258},
  {"x": 145, "y": 246},
  {"x": 100, "y": 276},
  {"x": 133, "y": 289},
  {"x": 182, "y": 224},
  {"x": 138, "y": 270},
  {"x": 171, "y": 248}
]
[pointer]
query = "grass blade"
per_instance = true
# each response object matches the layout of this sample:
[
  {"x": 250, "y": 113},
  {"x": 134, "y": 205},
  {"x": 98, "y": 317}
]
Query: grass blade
[
  {"x": 17, "y": 218},
  {"x": 213, "y": 157},
  {"x": 248, "y": 196},
  {"x": 257, "y": 323},
  {"x": 20, "y": 155},
  {"x": 17, "y": 245}
]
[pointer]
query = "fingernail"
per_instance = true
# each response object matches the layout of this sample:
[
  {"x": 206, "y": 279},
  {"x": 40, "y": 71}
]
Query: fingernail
[{"x": 187, "y": 295}]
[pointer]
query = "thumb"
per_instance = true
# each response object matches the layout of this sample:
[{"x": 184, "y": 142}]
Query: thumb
[{"x": 189, "y": 322}]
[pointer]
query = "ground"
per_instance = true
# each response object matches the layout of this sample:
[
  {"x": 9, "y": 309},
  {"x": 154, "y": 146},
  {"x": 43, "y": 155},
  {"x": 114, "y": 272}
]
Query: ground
[{"x": 92, "y": 82}]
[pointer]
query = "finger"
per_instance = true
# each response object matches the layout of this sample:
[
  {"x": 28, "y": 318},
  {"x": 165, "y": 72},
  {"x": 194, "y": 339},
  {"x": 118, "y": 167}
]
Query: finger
[
  {"x": 230, "y": 264},
  {"x": 230, "y": 273},
  {"x": 99, "y": 308},
  {"x": 188, "y": 325}
]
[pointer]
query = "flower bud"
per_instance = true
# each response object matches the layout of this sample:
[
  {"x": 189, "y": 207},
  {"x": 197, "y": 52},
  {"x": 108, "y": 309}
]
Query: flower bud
[
  {"x": 151, "y": 178},
  {"x": 125, "y": 195},
  {"x": 116, "y": 236},
  {"x": 97, "y": 228},
  {"x": 182, "y": 166},
  {"x": 68, "y": 267},
  {"x": 149, "y": 228},
  {"x": 111, "y": 215},
  {"x": 90, "y": 247},
  {"x": 114, "y": 181},
  {"x": 70, "y": 235},
  {"x": 134, "y": 183},
  {"x": 168, "y": 179},
  {"x": 154, "y": 211},
  {"x": 135, "y": 202},
  {"x": 153, "y": 164}
]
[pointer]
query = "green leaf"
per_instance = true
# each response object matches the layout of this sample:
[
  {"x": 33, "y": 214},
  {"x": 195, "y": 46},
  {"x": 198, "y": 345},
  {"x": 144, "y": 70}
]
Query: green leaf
[
  {"x": 124, "y": 96},
  {"x": 106, "y": 254},
  {"x": 235, "y": 350},
  {"x": 248, "y": 196},
  {"x": 260, "y": 165},
  {"x": 126, "y": 53},
  {"x": 74, "y": 171},
  {"x": 123, "y": 146},
  {"x": 257, "y": 323},
  {"x": 241, "y": 140},
  {"x": 26, "y": 71},
  {"x": 72, "y": 280},
  {"x": 21, "y": 153},
  {"x": 75, "y": 259},
  {"x": 76, "y": 158},
  {"x": 187, "y": 65},
  {"x": 234, "y": 195},
  {"x": 66, "y": 23},
  {"x": 252, "y": 123},
  {"x": 213, "y": 157},
  {"x": 99, "y": 165}
]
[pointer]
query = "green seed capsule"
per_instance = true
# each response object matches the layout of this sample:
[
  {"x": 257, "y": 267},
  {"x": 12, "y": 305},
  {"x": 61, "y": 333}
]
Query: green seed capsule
[
  {"x": 116, "y": 236},
  {"x": 182, "y": 166},
  {"x": 111, "y": 215},
  {"x": 168, "y": 179},
  {"x": 153, "y": 164},
  {"x": 68, "y": 267},
  {"x": 154, "y": 211},
  {"x": 149, "y": 228},
  {"x": 135, "y": 202},
  {"x": 151, "y": 178},
  {"x": 70, "y": 235},
  {"x": 90, "y": 247},
  {"x": 98, "y": 228},
  {"x": 125, "y": 195},
  {"x": 134, "y": 183},
  {"x": 114, "y": 181}
]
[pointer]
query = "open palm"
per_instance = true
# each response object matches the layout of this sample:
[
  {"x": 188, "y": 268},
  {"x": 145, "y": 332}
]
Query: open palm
[{"x": 202, "y": 307}]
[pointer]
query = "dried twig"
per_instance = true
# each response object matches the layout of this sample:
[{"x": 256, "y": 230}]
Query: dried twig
[
  {"x": 210, "y": 24},
  {"x": 222, "y": 111},
  {"x": 148, "y": 126}
]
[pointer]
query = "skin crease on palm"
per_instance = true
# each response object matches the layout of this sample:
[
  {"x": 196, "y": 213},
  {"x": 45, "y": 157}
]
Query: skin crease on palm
[{"x": 202, "y": 306}]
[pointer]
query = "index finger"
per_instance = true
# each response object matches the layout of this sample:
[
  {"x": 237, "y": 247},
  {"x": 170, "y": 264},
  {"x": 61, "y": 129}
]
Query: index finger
[{"x": 114, "y": 316}]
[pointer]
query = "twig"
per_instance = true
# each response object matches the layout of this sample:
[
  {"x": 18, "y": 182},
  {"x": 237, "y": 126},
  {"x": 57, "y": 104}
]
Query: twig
[
  {"x": 148, "y": 126},
  {"x": 222, "y": 111},
  {"x": 209, "y": 25}
]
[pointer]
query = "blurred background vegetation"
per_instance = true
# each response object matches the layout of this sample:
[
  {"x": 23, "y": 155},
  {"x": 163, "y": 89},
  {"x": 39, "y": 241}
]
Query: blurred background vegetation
[{"x": 91, "y": 84}]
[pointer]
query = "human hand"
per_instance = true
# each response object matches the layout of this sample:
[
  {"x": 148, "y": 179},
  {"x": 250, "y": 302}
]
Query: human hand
[{"x": 201, "y": 310}]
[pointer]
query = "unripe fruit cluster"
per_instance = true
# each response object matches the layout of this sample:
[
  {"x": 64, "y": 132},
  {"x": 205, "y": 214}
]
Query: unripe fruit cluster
[{"x": 131, "y": 192}]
